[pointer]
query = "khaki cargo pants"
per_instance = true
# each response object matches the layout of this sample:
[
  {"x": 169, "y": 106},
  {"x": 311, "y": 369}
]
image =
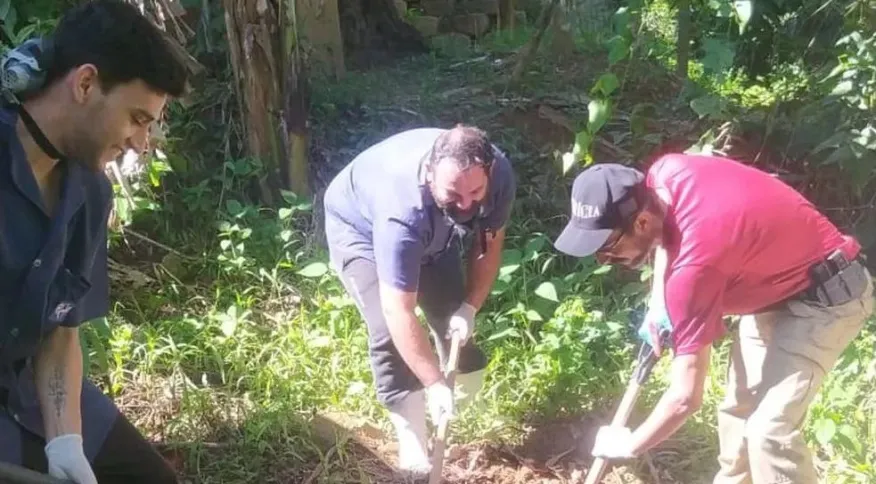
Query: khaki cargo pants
[{"x": 778, "y": 362}]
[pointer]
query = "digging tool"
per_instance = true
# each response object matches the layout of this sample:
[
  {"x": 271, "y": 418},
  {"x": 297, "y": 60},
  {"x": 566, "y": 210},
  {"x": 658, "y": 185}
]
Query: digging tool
[
  {"x": 441, "y": 432},
  {"x": 644, "y": 364},
  {"x": 13, "y": 474}
]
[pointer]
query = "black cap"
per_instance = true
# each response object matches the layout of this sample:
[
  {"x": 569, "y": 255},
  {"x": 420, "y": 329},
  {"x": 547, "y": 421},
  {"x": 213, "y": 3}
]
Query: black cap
[{"x": 603, "y": 198}]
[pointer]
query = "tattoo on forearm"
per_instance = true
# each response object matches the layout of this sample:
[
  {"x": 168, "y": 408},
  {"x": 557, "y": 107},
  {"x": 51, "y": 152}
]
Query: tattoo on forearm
[{"x": 57, "y": 392}]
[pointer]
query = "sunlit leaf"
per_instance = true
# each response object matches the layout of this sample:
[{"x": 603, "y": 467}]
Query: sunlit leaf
[
  {"x": 532, "y": 315},
  {"x": 285, "y": 213},
  {"x": 598, "y": 110},
  {"x": 508, "y": 269},
  {"x": 507, "y": 333},
  {"x": 357, "y": 388},
  {"x": 603, "y": 269},
  {"x": 225, "y": 244},
  {"x": 825, "y": 429},
  {"x": 568, "y": 162},
  {"x": 315, "y": 269},
  {"x": 583, "y": 140},
  {"x": 229, "y": 325},
  {"x": 842, "y": 88},
  {"x": 547, "y": 290},
  {"x": 744, "y": 10}
]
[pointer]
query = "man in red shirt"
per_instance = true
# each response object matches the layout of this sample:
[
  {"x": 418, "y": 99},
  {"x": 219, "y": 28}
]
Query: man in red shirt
[{"x": 728, "y": 239}]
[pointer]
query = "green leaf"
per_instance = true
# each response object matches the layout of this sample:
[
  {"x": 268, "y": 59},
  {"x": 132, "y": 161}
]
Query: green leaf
[
  {"x": 533, "y": 247},
  {"x": 621, "y": 21},
  {"x": 508, "y": 269},
  {"x": 533, "y": 316},
  {"x": 234, "y": 207},
  {"x": 606, "y": 84},
  {"x": 603, "y": 269},
  {"x": 225, "y": 244},
  {"x": 569, "y": 160},
  {"x": 509, "y": 332},
  {"x": 599, "y": 111},
  {"x": 708, "y": 106},
  {"x": 744, "y": 10},
  {"x": 285, "y": 213},
  {"x": 618, "y": 48},
  {"x": 4, "y": 8},
  {"x": 315, "y": 269},
  {"x": 547, "y": 290},
  {"x": 583, "y": 140},
  {"x": 719, "y": 57},
  {"x": 825, "y": 429},
  {"x": 842, "y": 88},
  {"x": 229, "y": 325}
]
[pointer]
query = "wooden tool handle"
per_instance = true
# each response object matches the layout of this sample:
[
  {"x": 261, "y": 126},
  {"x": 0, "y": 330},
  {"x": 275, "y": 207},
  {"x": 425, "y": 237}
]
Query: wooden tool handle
[
  {"x": 594, "y": 474},
  {"x": 13, "y": 474},
  {"x": 441, "y": 435}
]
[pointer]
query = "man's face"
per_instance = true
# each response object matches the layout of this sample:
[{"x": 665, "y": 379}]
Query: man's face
[
  {"x": 110, "y": 123},
  {"x": 458, "y": 192},
  {"x": 631, "y": 248}
]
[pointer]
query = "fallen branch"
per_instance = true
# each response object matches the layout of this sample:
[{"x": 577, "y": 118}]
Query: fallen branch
[{"x": 158, "y": 244}]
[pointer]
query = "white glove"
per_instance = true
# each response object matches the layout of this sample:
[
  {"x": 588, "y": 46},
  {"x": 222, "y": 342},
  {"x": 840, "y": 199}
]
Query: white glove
[
  {"x": 613, "y": 443},
  {"x": 462, "y": 322},
  {"x": 67, "y": 459},
  {"x": 440, "y": 400}
]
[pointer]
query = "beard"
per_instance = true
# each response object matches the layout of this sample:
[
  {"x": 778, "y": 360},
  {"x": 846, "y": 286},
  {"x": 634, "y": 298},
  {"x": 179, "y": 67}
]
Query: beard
[{"x": 458, "y": 216}]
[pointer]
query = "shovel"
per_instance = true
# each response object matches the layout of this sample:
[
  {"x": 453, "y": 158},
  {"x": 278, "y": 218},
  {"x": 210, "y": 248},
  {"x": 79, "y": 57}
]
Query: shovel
[
  {"x": 644, "y": 364},
  {"x": 441, "y": 432},
  {"x": 13, "y": 474}
]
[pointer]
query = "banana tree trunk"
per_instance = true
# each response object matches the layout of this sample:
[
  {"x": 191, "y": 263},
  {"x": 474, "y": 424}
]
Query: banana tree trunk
[{"x": 265, "y": 56}]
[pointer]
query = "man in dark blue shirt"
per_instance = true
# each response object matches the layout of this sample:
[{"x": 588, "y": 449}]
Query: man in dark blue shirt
[
  {"x": 96, "y": 87},
  {"x": 394, "y": 220}
]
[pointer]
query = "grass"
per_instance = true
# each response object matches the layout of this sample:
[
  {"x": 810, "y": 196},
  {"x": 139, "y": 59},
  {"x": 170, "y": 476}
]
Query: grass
[{"x": 226, "y": 349}]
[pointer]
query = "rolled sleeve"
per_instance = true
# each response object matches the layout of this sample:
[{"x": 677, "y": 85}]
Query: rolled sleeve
[
  {"x": 694, "y": 298},
  {"x": 398, "y": 251}
]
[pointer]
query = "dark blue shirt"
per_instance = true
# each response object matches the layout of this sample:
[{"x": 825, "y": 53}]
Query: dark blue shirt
[
  {"x": 379, "y": 207},
  {"x": 53, "y": 272}
]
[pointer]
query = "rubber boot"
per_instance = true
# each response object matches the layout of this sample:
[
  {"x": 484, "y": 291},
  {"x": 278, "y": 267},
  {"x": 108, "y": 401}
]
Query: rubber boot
[{"x": 408, "y": 416}]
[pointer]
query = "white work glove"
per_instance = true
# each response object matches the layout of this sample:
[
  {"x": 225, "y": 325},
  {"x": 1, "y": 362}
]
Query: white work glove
[
  {"x": 67, "y": 459},
  {"x": 613, "y": 443},
  {"x": 440, "y": 400},
  {"x": 462, "y": 322}
]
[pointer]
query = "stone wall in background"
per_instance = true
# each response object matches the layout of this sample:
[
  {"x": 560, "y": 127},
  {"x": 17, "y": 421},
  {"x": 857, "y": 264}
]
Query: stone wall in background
[{"x": 443, "y": 19}]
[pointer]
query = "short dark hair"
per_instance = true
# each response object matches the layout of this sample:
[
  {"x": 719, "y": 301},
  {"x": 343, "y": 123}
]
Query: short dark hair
[
  {"x": 122, "y": 43},
  {"x": 466, "y": 145}
]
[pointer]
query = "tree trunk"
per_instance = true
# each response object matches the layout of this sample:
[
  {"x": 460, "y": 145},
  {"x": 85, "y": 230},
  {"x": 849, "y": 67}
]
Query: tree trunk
[
  {"x": 683, "y": 45},
  {"x": 507, "y": 14},
  {"x": 266, "y": 61},
  {"x": 373, "y": 32},
  {"x": 525, "y": 56}
]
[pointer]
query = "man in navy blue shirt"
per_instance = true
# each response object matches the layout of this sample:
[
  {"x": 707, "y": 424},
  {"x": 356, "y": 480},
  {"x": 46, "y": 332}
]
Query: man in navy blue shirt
[
  {"x": 396, "y": 219},
  {"x": 92, "y": 96}
]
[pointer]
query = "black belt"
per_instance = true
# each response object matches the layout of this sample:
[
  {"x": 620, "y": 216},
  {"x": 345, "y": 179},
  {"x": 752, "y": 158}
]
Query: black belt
[{"x": 831, "y": 285}]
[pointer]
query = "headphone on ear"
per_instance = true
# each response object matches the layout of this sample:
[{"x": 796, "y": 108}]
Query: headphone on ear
[{"x": 23, "y": 69}]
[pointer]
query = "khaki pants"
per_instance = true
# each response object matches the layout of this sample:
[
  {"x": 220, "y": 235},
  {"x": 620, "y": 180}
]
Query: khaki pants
[{"x": 777, "y": 364}]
